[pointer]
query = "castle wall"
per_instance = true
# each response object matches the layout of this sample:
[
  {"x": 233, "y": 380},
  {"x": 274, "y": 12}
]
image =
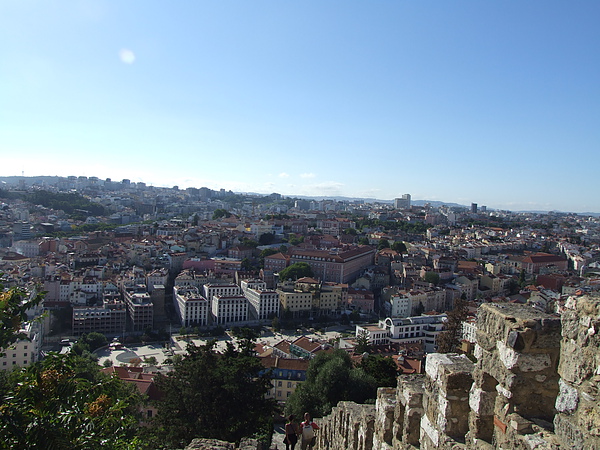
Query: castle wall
[{"x": 536, "y": 384}]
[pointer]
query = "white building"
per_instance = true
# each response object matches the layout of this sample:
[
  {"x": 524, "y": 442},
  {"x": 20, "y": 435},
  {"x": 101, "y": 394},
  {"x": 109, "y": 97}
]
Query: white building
[
  {"x": 263, "y": 303},
  {"x": 192, "y": 308},
  {"x": 24, "y": 351},
  {"x": 400, "y": 306},
  {"x": 210, "y": 290},
  {"x": 229, "y": 309}
]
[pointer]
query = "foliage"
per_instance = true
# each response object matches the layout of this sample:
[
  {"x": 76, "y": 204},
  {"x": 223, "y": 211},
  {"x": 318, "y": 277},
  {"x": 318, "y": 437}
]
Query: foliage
[
  {"x": 65, "y": 401},
  {"x": 432, "y": 277},
  {"x": 399, "y": 247},
  {"x": 247, "y": 264},
  {"x": 295, "y": 239},
  {"x": 266, "y": 239},
  {"x": 382, "y": 368},
  {"x": 362, "y": 342},
  {"x": 389, "y": 225},
  {"x": 363, "y": 241},
  {"x": 383, "y": 243},
  {"x": 295, "y": 271},
  {"x": 212, "y": 395},
  {"x": 14, "y": 304},
  {"x": 219, "y": 212},
  {"x": 330, "y": 378},
  {"x": 249, "y": 242},
  {"x": 88, "y": 343},
  {"x": 449, "y": 340},
  {"x": 73, "y": 204}
]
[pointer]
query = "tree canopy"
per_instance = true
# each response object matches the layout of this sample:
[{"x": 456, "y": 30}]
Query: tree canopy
[
  {"x": 14, "y": 304},
  {"x": 220, "y": 212},
  {"x": 295, "y": 271},
  {"x": 449, "y": 339},
  {"x": 266, "y": 239},
  {"x": 399, "y": 247},
  {"x": 382, "y": 368},
  {"x": 65, "y": 401},
  {"x": 330, "y": 378},
  {"x": 213, "y": 395}
]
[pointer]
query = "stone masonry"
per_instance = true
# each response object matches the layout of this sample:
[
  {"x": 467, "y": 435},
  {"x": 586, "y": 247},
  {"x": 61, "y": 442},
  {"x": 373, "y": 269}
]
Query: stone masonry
[{"x": 535, "y": 385}]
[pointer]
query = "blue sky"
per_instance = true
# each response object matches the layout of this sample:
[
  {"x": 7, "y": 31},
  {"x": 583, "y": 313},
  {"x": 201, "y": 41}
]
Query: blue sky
[{"x": 493, "y": 102}]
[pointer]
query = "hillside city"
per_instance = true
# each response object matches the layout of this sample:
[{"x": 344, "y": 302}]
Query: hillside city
[{"x": 157, "y": 268}]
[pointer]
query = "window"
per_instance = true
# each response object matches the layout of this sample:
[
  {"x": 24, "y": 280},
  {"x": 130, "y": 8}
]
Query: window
[
  {"x": 149, "y": 414},
  {"x": 289, "y": 384},
  {"x": 280, "y": 383}
]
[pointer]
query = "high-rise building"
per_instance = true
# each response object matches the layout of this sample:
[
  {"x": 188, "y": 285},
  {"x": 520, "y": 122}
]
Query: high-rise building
[
  {"x": 474, "y": 208},
  {"x": 402, "y": 202}
]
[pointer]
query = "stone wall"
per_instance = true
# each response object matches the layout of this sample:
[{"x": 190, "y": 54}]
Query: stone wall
[
  {"x": 577, "y": 421},
  {"x": 535, "y": 385}
]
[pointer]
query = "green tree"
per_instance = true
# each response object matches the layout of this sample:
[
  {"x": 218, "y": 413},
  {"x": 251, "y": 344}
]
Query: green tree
[
  {"x": 363, "y": 241},
  {"x": 65, "y": 401},
  {"x": 432, "y": 277},
  {"x": 95, "y": 340},
  {"x": 330, "y": 378},
  {"x": 219, "y": 212},
  {"x": 295, "y": 239},
  {"x": 247, "y": 264},
  {"x": 383, "y": 243},
  {"x": 295, "y": 271},
  {"x": 263, "y": 254},
  {"x": 212, "y": 395},
  {"x": 362, "y": 342},
  {"x": 448, "y": 340},
  {"x": 382, "y": 368},
  {"x": 14, "y": 304},
  {"x": 399, "y": 247},
  {"x": 266, "y": 238}
]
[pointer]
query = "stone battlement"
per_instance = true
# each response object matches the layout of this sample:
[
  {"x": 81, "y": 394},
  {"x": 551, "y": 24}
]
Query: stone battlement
[{"x": 535, "y": 385}]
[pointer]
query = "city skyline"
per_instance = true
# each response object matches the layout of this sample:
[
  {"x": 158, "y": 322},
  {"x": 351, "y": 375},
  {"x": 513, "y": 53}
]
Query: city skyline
[{"x": 493, "y": 103}]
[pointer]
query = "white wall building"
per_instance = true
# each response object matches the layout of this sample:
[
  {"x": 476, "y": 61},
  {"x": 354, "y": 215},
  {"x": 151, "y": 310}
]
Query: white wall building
[
  {"x": 192, "y": 308},
  {"x": 24, "y": 351},
  {"x": 229, "y": 309}
]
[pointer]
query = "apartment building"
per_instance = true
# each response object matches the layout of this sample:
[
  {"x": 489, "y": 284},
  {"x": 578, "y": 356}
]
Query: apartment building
[
  {"x": 140, "y": 308},
  {"x": 191, "y": 307},
  {"x": 340, "y": 266},
  {"x": 229, "y": 310},
  {"x": 24, "y": 351},
  {"x": 109, "y": 319},
  {"x": 263, "y": 302}
]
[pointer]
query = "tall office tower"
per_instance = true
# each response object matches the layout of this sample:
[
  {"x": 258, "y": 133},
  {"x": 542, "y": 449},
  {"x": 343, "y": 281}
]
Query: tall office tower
[
  {"x": 474, "y": 208},
  {"x": 403, "y": 202}
]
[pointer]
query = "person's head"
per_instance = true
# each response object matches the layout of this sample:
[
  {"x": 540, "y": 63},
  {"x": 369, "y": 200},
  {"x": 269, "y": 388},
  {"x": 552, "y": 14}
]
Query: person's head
[
  {"x": 306, "y": 416},
  {"x": 291, "y": 418}
]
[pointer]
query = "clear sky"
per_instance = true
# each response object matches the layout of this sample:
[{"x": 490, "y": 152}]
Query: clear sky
[{"x": 493, "y": 102}]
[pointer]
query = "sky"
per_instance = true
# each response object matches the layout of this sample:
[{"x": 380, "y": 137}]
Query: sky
[{"x": 492, "y": 102}]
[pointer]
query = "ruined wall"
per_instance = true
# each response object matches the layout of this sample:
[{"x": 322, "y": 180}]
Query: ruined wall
[
  {"x": 536, "y": 384},
  {"x": 577, "y": 422}
]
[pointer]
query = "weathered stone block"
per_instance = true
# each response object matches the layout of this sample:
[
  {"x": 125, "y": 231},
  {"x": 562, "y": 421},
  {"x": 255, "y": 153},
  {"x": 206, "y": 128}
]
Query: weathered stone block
[
  {"x": 568, "y": 432},
  {"x": 567, "y": 399}
]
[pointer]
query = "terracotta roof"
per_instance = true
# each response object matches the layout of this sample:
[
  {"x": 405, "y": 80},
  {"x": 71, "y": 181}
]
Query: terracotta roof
[{"x": 306, "y": 344}]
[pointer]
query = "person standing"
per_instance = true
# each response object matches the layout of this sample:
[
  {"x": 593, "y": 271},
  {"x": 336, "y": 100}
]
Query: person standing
[
  {"x": 291, "y": 433},
  {"x": 308, "y": 428}
]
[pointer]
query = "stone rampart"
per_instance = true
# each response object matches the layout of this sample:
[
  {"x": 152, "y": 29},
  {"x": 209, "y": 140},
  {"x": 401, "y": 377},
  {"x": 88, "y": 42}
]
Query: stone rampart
[{"x": 536, "y": 384}]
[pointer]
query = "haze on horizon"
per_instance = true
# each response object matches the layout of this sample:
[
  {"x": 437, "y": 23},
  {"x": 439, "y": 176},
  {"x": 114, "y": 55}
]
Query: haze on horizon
[{"x": 496, "y": 103}]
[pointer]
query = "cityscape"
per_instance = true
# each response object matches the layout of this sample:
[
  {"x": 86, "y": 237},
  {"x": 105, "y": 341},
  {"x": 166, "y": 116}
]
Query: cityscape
[
  {"x": 338, "y": 225},
  {"x": 137, "y": 265}
]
